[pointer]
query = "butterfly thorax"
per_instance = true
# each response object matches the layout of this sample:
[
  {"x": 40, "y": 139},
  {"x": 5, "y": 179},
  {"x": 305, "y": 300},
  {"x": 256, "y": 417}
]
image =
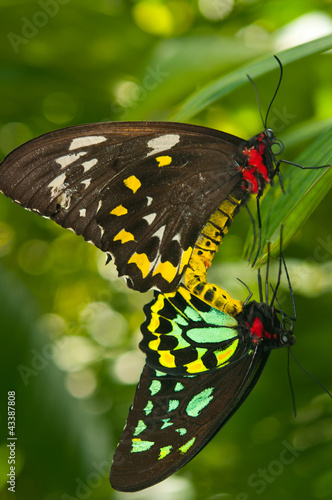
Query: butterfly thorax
[
  {"x": 260, "y": 169},
  {"x": 258, "y": 323}
]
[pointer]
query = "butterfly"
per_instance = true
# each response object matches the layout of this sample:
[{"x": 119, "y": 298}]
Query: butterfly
[
  {"x": 139, "y": 191},
  {"x": 201, "y": 364},
  {"x": 144, "y": 192}
]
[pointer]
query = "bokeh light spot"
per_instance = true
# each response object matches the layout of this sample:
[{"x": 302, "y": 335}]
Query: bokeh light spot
[
  {"x": 81, "y": 384},
  {"x": 215, "y": 10},
  {"x": 127, "y": 368},
  {"x": 153, "y": 17},
  {"x": 105, "y": 325},
  {"x": 35, "y": 257},
  {"x": 79, "y": 353},
  {"x": 60, "y": 107},
  {"x": 304, "y": 29}
]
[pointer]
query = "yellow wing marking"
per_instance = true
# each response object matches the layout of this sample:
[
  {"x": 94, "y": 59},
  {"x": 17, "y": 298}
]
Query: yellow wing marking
[
  {"x": 119, "y": 210},
  {"x": 185, "y": 258},
  {"x": 167, "y": 359},
  {"x": 167, "y": 270},
  {"x": 163, "y": 160},
  {"x": 225, "y": 355},
  {"x": 132, "y": 183},
  {"x": 154, "y": 344},
  {"x": 196, "y": 366},
  {"x": 142, "y": 262},
  {"x": 124, "y": 236}
]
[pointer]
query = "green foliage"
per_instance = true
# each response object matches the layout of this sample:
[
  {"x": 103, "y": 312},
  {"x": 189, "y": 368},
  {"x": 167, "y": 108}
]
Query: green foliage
[
  {"x": 304, "y": 190},
  {"x": 74, "y": 325},
  {"x": 223, "y": 86}
]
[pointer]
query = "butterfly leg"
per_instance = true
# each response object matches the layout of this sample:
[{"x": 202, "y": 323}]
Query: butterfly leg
[{"x": 201, "y": 258}]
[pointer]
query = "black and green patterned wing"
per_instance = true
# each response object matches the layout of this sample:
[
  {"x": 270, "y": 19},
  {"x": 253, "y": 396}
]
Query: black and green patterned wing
[
  {"x": 198, "y": 371},
  {"x": 174, "y": 417},
  {"x": 184, "y": 335},
  {"x": 140, "y": 191},
  {"x": 201, "y": 364}
]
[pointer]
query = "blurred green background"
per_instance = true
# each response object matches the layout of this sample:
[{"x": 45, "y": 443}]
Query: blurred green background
[{"x": 70, "y": 327}]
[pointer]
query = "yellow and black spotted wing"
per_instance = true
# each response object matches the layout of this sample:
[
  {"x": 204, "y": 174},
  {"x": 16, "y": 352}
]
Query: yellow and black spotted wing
[{"x": 140, "y": 191}]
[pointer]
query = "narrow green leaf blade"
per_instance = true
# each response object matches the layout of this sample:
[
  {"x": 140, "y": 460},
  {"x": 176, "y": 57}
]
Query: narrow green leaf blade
[{"x": 223, "y": 86}]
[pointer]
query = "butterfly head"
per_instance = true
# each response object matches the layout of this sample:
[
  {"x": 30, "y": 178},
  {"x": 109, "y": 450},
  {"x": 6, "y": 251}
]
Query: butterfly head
[
  {"x": 260, "y": 160},
  {"x": 259, "y": 323}
]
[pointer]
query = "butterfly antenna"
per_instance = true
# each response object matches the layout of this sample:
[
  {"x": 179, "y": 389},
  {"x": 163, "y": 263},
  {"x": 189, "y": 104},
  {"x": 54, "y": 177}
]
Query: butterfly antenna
[
  {"x": 267, "y": 275},
  {"x": 254, "y": 231},
  {"x": 280, "y": 311},
  {"x": 276, "y": 91},
  {"x": 260, "y": 289},
  {"x": 291, "y": 383},
  {"x": 309, "y": 374},
  {"x": 279, "y": 270},
  {"x": 257, "y": 99},
  {"x": 259, "y": 231},
  {"x": 247, "y": 287},
  {"x": 290, "y": 288}
]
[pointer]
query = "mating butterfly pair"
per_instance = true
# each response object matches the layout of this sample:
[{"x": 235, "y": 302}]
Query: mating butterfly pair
[{"x": 158, "y": 198}]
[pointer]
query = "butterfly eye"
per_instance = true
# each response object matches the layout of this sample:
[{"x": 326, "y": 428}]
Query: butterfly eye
[
  {"x": 270, "y": 134},
  {"x": 285, "y": 339}
]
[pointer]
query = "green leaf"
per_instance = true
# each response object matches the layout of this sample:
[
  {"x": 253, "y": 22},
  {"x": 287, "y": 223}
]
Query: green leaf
[
  {"x": 304, "y": 190},
  {"x": 223, "y": 86}
]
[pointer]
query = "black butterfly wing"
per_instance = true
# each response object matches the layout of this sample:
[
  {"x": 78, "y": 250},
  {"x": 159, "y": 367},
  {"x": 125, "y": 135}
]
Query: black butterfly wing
[
  {"x": 140, "y": 191},
  {"x": 174, "y": 417}
]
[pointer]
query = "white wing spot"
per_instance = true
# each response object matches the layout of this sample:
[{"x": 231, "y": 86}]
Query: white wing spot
[
  {"x": 64, "y": 200},
  {"x": 88, "y": 140},
  {"x": 154, "y": 263},
  {"x": 177, "y": 237},
  {"x": 57, "y": 184},
  {"x": 99, "y": 206},
  {"x": 162, "y": 143},
  {"x": 66, "y": 160},
  {"x": 102, "y": 231},
  {"x": 160, "y": 233},
  {"x": 149, "y": 200},
  {"x": 82, "y": 212},
  {"x": 86, "y": 183},
  {"x": 150, "y": 218},
  {"x": 89, "y": 164}
]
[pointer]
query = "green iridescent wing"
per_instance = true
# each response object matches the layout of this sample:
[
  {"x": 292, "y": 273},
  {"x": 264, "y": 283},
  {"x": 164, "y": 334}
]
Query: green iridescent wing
[
  {"x": 174, "y": 414},
  {"x": 184, "y": 335},
  {"x": 174, "y": 417}
]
